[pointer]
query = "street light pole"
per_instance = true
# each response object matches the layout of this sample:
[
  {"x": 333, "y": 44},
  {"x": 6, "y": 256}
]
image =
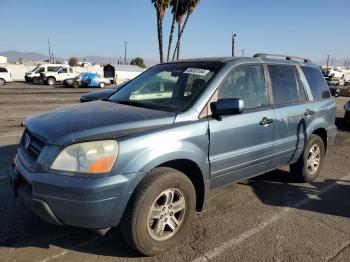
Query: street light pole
[
  {"x": 48, "y": 41},
  {"x": 327, "y": 61},
  {"x": 233, "y": 43},
  {"x": 125, "y": 45}
]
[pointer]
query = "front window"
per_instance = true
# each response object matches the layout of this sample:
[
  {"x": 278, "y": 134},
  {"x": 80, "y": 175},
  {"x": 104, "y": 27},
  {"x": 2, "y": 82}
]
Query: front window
[
  {"x": 168, "y": 87},
  {"x": 34, "y": 69}
]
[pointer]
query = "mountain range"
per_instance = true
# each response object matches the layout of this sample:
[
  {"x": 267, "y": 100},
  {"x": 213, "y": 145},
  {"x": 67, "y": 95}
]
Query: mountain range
[{"x": 13, "y": 56}]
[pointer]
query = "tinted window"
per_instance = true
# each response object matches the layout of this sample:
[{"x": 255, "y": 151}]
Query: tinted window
[
  {"x": 318, "y": 85},
  {"x": 3, "y": 70},
  {"x": 63, "y": 70},
  {"x": 52, "y": 68},
  {"x": 71, "y": 71},
  {"x": 284, "y": 84},
  {"x": 40, "y": 70},
  {"x": 247, "y": 83}
]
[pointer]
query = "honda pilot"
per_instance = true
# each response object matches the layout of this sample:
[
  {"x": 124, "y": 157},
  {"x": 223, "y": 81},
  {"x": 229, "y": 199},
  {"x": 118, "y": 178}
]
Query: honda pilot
[{"x": 147, "y": 161}]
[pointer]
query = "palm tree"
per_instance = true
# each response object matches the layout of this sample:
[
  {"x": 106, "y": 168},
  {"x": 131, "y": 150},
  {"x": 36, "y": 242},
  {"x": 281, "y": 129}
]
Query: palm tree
[
  {"x": 190, "y": 6},
  {"x": 160, "y": 6},
  {"x": 178, "y": 10}
]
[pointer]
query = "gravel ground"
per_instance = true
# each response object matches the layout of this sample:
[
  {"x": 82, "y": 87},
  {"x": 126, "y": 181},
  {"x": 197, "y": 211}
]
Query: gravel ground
[{"x": 269, "y": 218}]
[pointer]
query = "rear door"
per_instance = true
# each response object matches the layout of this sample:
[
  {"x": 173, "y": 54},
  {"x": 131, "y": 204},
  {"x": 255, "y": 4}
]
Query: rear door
[
  {"x": 293, "y": 111},
  {"x": 241, "y": 145},
  {"x": 63, "y": 74}
]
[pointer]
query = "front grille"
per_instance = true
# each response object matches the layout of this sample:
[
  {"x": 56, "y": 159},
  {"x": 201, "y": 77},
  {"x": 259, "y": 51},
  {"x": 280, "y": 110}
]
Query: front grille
[{"x": 32, "y": 144}]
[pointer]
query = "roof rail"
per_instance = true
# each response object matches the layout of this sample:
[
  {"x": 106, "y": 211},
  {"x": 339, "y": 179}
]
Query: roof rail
[{"x": 294, "y": 58}]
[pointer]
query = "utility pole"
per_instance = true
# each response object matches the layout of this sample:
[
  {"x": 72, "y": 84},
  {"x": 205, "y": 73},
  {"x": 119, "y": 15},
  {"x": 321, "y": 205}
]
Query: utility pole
[
  {"x": 48, "y": 41},
  {"x": 243, "y": 52},
  {"x": 233, "y": 43},
  {"x": 125, "y": 45},
  {"x": 327, "y": 61}
]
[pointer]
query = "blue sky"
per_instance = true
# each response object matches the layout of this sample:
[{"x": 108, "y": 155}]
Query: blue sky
[{"x": 310, "y": 28}]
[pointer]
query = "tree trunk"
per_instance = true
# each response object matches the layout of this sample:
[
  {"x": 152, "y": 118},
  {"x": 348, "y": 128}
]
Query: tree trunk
[
  {"x": 181, "y": 32},
  {"x": 160, "y": 37},
  {"x": 178, "y": 40},
  {"x": 172, "y": 31}
]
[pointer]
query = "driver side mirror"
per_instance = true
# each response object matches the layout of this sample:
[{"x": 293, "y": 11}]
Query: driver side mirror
[{"x": 227, "y": 106}]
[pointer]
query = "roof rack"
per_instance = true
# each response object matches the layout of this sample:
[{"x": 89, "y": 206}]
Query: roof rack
[{"x": 294, "y": 58}]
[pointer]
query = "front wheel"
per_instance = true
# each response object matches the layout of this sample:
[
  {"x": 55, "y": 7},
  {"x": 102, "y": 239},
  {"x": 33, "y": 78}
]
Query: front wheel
[
  {"x": 51, "y": 81},
  {"x": 102, "y": 85},
  {"x": 2, "y": 81},
  {"x": 308, "y": 167},
  {"x": 76, "y": 84},
  {"x": 159, "y": 211}
]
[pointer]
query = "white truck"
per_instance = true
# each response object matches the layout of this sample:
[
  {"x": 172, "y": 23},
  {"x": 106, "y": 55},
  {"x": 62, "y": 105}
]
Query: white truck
[
  {"x": 62, "y": 73},
  {"x": 34, "y": 75}
]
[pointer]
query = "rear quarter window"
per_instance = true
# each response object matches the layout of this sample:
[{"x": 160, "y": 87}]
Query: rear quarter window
[
  {"x": 318, "y": 85},
  {"x": 3, "y": 70}
]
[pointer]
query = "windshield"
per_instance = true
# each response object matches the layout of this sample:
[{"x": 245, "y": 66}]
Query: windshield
[
  {"x": 35, "y": 68},
  {"x": 168, "y": 87}
]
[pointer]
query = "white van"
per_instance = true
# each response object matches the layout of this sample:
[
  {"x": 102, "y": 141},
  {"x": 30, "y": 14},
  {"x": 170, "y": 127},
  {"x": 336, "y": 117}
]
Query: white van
[
  {"x": 34, "y": 75},
  {"x": 5, "y": 75}
]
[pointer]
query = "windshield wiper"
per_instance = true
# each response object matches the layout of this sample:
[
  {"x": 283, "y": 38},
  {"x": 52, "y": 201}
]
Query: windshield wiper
[{"x": 138, "y": 104}]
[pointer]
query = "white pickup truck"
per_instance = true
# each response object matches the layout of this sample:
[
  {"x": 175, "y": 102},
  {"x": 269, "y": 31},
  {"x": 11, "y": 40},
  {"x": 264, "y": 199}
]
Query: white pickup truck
[{"x": 59, "y": 75}]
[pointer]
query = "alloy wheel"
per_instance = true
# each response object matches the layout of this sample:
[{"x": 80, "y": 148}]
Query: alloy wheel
[{"x": 166, "y": 214}]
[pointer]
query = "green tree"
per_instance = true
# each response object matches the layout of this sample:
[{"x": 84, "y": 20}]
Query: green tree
[
  {"x": 161, "y": 6},
  {"x": 138, "y": 61},
  {"x": 73, "y": 61}
]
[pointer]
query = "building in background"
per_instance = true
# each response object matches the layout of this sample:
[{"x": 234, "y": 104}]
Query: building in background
[
  {"x": 3, "y": 60},
  {"x": 121, "y": 73}
]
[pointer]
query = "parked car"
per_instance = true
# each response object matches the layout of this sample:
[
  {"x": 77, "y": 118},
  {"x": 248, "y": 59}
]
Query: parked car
[
  {"x": 347, "y": 112},
  {"x": 335, "y": 73},
  {"x": 148, "y": 164},
  {"x": 101, "y": 94},
  {"x": 34, "y": 75},
  {"x": 59, "y": 75},
  {"x": 75, "y": 81},
  {"x": 94, "y": 80},
  {"x": 5, "y": 75},
  {"x": 335, "y": 90}
]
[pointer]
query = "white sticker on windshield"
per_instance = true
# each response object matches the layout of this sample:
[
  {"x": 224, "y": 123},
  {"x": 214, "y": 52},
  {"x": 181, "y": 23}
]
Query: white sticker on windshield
[{"x": 197, "y": 71}]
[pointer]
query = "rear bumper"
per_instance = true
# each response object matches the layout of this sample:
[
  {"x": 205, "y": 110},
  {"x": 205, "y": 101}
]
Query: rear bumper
[{"x": 76, "y": 201}]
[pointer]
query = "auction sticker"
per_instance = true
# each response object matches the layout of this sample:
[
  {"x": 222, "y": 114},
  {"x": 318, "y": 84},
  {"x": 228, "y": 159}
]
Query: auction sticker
[{"x": 197, "y": 71}]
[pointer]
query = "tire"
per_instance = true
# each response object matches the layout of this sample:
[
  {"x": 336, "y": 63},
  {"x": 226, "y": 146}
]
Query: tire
[
  {"x": 137, "y": 226},
  {"x": 305, "y": 170},
  {"x": 51, "y": 81},
  {"x": 2, "y": 82},
  {"x": 101, "y": 85},
  {"x": 76, "y": 84}
]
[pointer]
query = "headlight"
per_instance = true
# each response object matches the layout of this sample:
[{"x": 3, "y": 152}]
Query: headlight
[{"x": 89, "y": 157}]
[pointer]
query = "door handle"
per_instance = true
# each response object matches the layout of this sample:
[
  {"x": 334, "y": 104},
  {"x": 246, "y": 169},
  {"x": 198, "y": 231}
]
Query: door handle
[
  {"x": 266, "y": 121},
  {"x": 309, "y": 112}
]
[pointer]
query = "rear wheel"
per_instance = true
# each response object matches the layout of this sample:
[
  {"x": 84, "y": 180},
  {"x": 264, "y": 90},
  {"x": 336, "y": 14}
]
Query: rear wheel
[
  {"x": 308, "y": 167},
  {"x": 159, "y": 211},
  {"x": 51, "y": 81},
  {"x": 102, "y": 85},
  {"x": 2, "y": 81},
  {"x": 76, "y": 84}
]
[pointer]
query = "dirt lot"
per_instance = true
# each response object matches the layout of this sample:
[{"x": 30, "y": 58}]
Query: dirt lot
[{"x": 270, "y": 218}]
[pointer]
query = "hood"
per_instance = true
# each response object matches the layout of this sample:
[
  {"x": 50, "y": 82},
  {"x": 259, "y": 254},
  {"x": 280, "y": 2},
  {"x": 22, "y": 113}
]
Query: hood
[{"x": 95, "y": 121}]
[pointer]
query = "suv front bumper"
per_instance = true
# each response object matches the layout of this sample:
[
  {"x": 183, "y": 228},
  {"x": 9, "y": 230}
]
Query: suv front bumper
[{"x": 66, "y": 200}]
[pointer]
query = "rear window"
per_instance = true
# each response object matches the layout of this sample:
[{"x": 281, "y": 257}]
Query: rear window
[
  {"x": 3, "y": 70},
  {"x": 284, "y": 84},
  {"x": 318, "y": 85}
]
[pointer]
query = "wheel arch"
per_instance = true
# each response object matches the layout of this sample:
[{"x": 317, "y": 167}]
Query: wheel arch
[{"x": 322, "y": 132}]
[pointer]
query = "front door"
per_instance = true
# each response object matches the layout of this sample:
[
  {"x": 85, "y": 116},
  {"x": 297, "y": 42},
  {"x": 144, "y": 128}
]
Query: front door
[{"x": 241, "y": 145}]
